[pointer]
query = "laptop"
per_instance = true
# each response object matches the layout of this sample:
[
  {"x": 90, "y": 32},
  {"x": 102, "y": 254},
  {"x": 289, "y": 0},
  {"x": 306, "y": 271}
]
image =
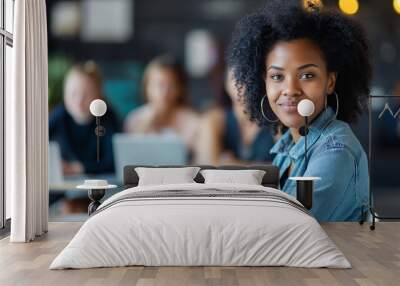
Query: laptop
[
  {"x": 55, "y": 171},
  {"x": 57, "y": 181},
  {"x": 147, "y": 149}
]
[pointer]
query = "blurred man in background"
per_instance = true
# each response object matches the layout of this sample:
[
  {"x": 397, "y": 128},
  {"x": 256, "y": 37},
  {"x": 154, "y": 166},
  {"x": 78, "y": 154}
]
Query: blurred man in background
[{"x": 72, "y": 126}]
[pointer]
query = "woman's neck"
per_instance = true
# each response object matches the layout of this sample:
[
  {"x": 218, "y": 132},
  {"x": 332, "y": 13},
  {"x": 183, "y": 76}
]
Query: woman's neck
[{"x": 295, "y": 134}]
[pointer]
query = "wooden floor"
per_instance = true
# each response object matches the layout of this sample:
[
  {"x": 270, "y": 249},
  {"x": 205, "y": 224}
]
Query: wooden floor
[{"x": 374, "y": 255}]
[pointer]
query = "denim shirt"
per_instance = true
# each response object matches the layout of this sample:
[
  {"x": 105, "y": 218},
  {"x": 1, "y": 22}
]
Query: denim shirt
[{"x": 334, "y": 154}]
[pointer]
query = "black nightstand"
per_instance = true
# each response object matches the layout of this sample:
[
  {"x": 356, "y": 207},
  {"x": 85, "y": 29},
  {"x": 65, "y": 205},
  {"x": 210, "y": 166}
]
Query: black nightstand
[{"x": 95, "y": 193}]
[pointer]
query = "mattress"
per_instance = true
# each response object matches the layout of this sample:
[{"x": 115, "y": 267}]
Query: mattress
[{"x": 201, "y": 225}]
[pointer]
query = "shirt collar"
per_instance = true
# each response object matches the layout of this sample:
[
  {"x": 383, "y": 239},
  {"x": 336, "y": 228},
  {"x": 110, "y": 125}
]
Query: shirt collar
[{"x": 285, "y": 143}]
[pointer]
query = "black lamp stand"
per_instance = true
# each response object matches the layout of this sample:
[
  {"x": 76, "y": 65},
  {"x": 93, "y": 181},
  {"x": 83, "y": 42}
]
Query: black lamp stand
[{"x": 99, "y": 131}]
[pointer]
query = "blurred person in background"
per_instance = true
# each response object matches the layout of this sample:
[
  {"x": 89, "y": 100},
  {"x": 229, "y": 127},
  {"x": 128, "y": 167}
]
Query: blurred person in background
[
  {"x": 227, "y": 136},
  {"x": 166, "y": 109},
  {"x": 72, "y": 125}
]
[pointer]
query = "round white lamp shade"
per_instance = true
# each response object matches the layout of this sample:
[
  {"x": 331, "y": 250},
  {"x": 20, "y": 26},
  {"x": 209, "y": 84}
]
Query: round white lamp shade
[
  {"x": 306, "y": 107},
  {"x": 98, "y": 107}
]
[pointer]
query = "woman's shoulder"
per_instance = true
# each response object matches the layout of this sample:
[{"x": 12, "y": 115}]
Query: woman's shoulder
[
  {"x": 135, "y": 117},
  {"x": 214, "y": 119},
  {"x": 187, "y": 117},
  {"x": 215, "y": 113},
  {"x": 139, "y": 111},
  {"x": 187, "y": 113}
]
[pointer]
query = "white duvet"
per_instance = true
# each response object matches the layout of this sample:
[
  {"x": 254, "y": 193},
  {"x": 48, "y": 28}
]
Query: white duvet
[{"x": 200, "y": 231}]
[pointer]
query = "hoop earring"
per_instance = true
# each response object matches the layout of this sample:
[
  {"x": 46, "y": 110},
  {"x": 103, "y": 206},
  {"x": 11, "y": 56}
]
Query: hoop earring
[
  {"x": 337, "y": 103},
  {"x": 262, "y": 111}
]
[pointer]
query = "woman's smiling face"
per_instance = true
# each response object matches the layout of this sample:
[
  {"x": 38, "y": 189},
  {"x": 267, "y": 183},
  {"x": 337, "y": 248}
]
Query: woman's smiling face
[{"x": 296, "y": 70}]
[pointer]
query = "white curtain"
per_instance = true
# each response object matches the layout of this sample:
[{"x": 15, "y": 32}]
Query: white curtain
[{"x": 27, "y": 123}]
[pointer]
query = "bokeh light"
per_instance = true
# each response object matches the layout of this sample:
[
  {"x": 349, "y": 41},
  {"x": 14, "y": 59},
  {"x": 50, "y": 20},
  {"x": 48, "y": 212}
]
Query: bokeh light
[
  {"x": 349, "y": 7},
  {"x": 396, "y": 6},
  {"x": 311, "y": 5}
]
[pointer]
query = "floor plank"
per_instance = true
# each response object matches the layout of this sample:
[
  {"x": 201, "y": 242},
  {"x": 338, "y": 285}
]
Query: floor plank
[{"x": 374, "y": 255}]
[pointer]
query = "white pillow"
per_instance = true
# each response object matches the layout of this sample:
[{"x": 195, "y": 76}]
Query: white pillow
[
  {"x": 162, "y": 176},
  {"x": 248, "y": 177}
]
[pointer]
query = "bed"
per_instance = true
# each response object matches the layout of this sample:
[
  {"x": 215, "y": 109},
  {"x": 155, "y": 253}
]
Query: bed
[{"x": 201, "y": 224}]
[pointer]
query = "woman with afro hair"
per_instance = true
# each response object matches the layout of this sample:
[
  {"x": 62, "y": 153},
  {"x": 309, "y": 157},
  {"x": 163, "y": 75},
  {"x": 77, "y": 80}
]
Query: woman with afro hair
[{"x": 288, "y": 52}]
